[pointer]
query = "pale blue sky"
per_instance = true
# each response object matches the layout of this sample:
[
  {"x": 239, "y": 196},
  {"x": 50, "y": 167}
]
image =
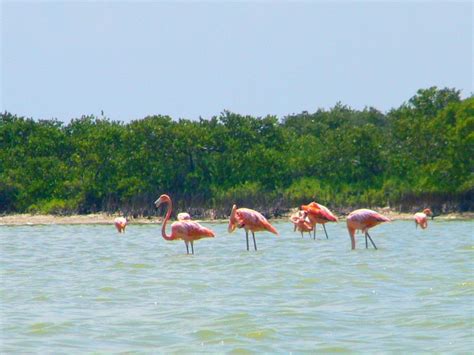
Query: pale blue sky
[{"x": 190, "y": 59}]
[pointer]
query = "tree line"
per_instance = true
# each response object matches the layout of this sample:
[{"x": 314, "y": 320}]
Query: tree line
[{"x": 418, "y": 154}]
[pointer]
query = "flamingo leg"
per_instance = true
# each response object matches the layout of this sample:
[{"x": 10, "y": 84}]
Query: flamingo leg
[
  {"x": 192, "y": 246},
  {"x": 254, "y": 243},
  {"x": 368, "y": 235},
  {"x": 324, "y": 226},
  {"x": 187, "y": 248},
  {"x": 301, "y": 234},
  {"x": 247, "y": 238},
  {"x": 314, "y": 232},
  {"x": 366, "y": 245}
]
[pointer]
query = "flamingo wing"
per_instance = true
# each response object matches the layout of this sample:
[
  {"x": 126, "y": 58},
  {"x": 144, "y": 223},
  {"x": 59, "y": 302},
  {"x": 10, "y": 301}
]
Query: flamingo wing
[
  {"x": 120, "y": 220},
  {"x": 190, "y": 230},
  {"x": 254, "y": 220},
  {"x": 321, "y": 213},
  {"x": 328, "y": 214},
  {"x": 367, "y": 218},
  {"x": 183, "y": 216},
  {"x": 419, "y": 217}
]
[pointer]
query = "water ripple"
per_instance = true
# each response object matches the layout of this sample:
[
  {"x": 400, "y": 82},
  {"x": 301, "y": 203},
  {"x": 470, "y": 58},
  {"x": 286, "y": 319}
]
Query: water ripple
[{"x": 88, "y": 289}]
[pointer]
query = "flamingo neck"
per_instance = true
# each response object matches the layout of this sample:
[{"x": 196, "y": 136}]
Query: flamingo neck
[
  {"x": 352, "y": 230},
  {"x": 167, "y": 217}
]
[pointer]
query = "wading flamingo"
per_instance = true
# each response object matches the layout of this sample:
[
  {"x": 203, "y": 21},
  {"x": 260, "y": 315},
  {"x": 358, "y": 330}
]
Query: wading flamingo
[
  {"x": 183, "y": 216},
  {"x": 250, "y": 220},
  {"x": 318, "y": 213},
  {"x": 363, "y": 219},
  {"x": 120, "y": 224},
  {"x": 187, "y": 230},
  {"x": 301, "y": 222},
  {"x": 421, "y": 218}
]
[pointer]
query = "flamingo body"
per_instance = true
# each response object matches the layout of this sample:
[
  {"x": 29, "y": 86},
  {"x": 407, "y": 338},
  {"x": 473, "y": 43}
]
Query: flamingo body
[
  {"x": 120, "y": 223},
  {"x": 186, "y": 230},
  {"x": 318, "y": 213},
  {"x": 189, "y": 230},
  {"x": 363, "y": 220},
  {"x": 183, "y": 216},
  {"x": 250, "y": 220}
]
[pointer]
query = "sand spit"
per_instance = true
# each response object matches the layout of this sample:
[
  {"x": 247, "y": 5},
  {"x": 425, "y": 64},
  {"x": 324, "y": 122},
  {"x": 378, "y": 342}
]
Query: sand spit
[{"x": 102, "y": 218}]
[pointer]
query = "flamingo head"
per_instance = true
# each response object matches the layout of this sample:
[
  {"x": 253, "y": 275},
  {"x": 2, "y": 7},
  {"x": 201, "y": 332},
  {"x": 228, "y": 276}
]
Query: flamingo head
[
  {"x": 305, "y": 217},
  {"x": 232, "y": 220},
  {"x": 163, "y": 198},
  {"x": 428, "y": 212}
]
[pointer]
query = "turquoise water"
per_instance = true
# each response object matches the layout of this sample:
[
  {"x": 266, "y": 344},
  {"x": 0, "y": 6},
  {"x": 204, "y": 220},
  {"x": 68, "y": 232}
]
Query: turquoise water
[{"x": 70, "y": 289}]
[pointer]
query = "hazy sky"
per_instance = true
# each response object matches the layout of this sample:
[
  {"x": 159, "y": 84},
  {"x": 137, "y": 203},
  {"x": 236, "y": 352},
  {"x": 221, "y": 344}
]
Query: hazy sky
[{"x": 189, "y": 59}]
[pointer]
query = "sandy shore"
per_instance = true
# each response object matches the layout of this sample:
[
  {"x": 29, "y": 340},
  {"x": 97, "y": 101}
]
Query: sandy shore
[
  {"x": 102, "y": 218},
  {"x": 98, "y": 218}
]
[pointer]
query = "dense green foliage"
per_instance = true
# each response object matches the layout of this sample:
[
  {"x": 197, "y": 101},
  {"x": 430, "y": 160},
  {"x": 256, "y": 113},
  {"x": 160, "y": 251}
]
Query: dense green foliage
[{"x": 420, "y": 153}]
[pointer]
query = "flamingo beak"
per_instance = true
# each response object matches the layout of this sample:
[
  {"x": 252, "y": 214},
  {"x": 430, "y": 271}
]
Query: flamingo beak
[
  {"x": 231, "y": 227},
  {"x": 232, "y": 220},
  {"x": 158, "y": 202}
]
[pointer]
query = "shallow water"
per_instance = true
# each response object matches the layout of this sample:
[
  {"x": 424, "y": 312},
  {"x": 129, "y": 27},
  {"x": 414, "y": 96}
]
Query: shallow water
[{"x": 87, "y": 288}]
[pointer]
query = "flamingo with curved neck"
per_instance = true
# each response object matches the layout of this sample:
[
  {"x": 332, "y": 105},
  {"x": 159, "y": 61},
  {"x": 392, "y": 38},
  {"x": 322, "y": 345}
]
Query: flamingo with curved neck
[
  {"x": 120, "y": 223},
  {"x": 318, "y": 213},
  {"x": 250, "y": 220},
  {"x": 363, "y": 220},
  {"x": 187, "y": 230},
  {"x": 301, "y": 222},
  {"x": 421, "y": 218}
]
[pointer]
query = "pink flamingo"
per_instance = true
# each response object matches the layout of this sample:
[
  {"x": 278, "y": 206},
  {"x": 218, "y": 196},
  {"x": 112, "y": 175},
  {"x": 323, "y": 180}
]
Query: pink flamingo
[
  {"x": 363, "y": 219},
  {"x": 318, "y": 213},
  {"x": 187, "y": 230},
  {"x": 301, "y": 222},
  {"x": 250, "y": 220},
  {"x": 421, "y": 218},
  {"x": 120, "y": 224},
  {"x": 183, "y": 216}
]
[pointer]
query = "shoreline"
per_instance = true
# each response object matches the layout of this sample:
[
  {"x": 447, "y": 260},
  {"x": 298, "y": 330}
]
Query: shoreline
[{"x": 103, "y": 218}]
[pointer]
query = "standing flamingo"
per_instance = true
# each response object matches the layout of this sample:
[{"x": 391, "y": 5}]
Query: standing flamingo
[
  {"x": 318, "y": 213},
  {"x": 120, "y": 224},
  {"x": 301, "y": 222},
  {"x": 187, "y": 230},
  {"x": 250, "y": 220},
  {"x": 183, "y": 216},
  {"x": 421, "y": 218},
  {"x": 363, "y": 219}
]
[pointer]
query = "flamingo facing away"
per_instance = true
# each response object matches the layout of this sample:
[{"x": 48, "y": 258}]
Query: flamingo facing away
[
  {"x": 363, "y": 219},
  {"x": 183, "y": 216},
  {"x": 318, "y": 213},
  {"x": 120, "y": 223},
  {"x": 187, "y": 230},
  {"x": 250, "y": 220},
  {"x": 301, "y": 222},
  {"x": 421, "y": 218}
]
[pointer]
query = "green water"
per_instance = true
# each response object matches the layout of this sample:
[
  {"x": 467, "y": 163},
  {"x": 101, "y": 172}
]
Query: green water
[{"x": 72, "y": 289}]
